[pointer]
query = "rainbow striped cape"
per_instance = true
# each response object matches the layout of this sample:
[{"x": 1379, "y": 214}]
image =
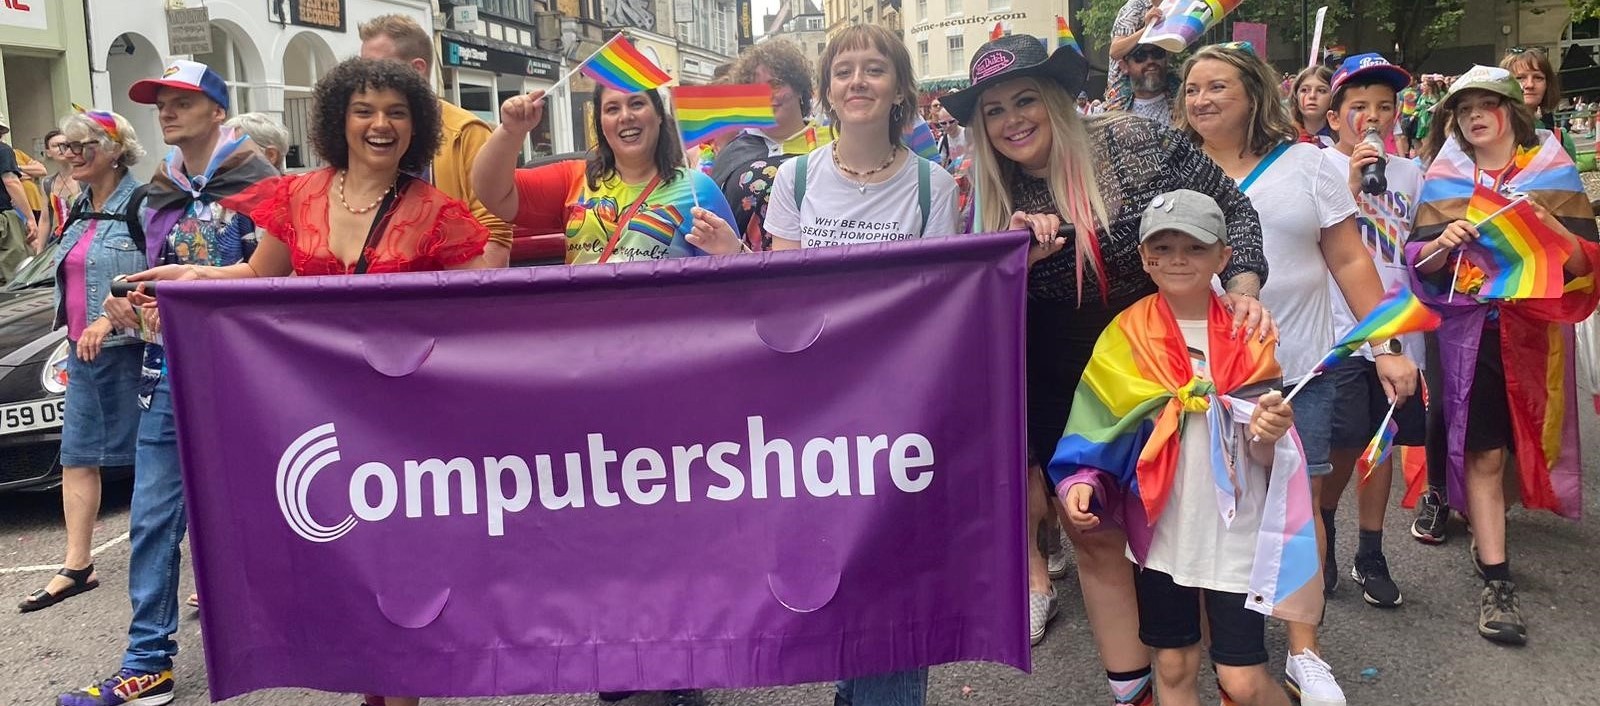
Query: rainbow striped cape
[
  {"x": 1124, "y": 431},
  {"x": 1536, "y": 335}
]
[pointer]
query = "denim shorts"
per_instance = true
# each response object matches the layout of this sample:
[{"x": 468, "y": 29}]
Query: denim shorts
[
  {"x": 102, "y": 416},
  {"x": 1313, "y": 420}
]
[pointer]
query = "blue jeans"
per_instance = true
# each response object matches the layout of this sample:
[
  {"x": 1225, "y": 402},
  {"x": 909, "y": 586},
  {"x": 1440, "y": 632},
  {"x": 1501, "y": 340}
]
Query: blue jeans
[
  {"x": 155, "y": 535},
  {"x": 909, "y": 688}
]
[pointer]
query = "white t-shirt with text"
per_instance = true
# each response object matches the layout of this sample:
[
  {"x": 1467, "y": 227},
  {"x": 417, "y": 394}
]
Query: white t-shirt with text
[
  {"x": 838, "y": 212},
  {"x": 1385, "y": 220},
  {"x": 1296, "y": 197}
]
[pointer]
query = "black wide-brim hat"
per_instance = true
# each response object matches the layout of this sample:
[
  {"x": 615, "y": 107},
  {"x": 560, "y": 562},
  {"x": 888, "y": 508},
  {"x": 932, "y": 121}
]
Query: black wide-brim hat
[{"x": 1015, "y": 56}]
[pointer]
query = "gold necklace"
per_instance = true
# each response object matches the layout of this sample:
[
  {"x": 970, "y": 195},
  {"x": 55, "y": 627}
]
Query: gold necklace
[
  {"x": 374, "y": 204},
  {"x": 860, "y": 178}
]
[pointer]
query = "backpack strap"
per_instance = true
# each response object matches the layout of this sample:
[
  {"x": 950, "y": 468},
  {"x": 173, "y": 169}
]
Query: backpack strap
[
  {"x": 800, "y": 181},
  {"x": 129, "y": 215},
  {"x": 924, "y": 170}
]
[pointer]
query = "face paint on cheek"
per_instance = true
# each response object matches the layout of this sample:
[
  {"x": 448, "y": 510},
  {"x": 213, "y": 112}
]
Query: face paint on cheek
[
  {"x": 1353, "y": 121},
  {"x": 1499, "y": 115},
  {"x": 1151, "y": 262}
]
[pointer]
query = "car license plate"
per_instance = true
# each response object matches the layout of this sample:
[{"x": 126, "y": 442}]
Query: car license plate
[{"x": 32, "y": 416}]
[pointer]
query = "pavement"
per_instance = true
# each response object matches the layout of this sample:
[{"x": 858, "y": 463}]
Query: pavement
[{"x": 1425, "y": 652}]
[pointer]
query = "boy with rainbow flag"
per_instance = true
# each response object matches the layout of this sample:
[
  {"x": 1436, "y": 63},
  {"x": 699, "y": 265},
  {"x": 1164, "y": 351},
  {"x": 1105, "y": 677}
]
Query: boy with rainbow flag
[
  {"x": 1506, "y": 343},
  {"x": 1176, "y": 434}
]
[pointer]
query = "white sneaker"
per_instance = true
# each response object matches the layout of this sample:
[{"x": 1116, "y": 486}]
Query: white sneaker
[
  {"x": 1310, "y": 680},
  {"x": 1041, "y": 610}
]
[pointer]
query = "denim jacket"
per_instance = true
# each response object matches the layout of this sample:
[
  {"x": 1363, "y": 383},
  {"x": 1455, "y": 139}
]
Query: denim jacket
[{"x": 112, "y": 253}]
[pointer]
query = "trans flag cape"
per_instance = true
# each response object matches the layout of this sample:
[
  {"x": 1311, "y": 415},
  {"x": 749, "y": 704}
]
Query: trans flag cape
[
  {"x": 1536, "y": 335},
  {"x": 1124, "y": 432}
]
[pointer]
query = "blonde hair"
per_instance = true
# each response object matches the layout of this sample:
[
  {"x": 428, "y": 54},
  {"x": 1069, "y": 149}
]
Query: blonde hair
[
  {"x": 889, "y": 45},
  {"x": 1320, "y": 73},
  {"x": 411, "y": 41},
  {"x": 1269, "y": 122},
  {"x": 126, "y": 146},
  {"x": 1073, "y": 187}
]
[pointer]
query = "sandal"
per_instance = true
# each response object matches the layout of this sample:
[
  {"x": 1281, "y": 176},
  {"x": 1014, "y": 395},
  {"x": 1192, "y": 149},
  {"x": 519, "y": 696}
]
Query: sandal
[
  {"x": 194, "y": 602},
  {"x": 42, "y": 598}
]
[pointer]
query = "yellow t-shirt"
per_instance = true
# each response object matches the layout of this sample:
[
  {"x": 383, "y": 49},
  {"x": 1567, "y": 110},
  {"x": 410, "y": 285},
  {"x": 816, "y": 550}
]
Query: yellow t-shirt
[
  {"x": 30, "y": 186},
  {"x": 812, "y": 136}
]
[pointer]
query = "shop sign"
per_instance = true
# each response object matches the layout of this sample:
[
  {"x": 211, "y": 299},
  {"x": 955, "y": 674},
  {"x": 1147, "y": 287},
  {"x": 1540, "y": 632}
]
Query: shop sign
[
  {"x": 747, "y": 34},
  {"x": 189, "y": 31},
  {"x": 470, "y": 56},
  {"x": 988, "y": 20},
  {"x": 23, "y": 13},
  {"x": 322, "y": 14}
]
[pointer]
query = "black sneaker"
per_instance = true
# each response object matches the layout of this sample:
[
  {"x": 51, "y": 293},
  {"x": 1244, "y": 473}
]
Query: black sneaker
[
  {"x": 1432, "y": 514},
  {"x": 687, "y": 697},
  {"x": 1500, "y": 615},
  {"x": 1372, "y": 574},
  {"x": 1330, "y": 575}
]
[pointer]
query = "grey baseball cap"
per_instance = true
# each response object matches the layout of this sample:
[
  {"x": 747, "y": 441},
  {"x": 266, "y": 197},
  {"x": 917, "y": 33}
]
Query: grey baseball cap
[{"x": 1185, "y": 211}]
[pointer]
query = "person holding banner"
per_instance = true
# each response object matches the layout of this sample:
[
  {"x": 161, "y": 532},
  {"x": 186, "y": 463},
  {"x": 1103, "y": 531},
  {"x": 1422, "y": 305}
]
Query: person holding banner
[
  {"x": 376, "y": 123},
  {"x": 102, "y": 371},
  {"x": 632, "y": 199},
  {"x": 1508, "y": 363},
  {"x": 866, "y": 186},
  {"x": 1033, "y": 154}
]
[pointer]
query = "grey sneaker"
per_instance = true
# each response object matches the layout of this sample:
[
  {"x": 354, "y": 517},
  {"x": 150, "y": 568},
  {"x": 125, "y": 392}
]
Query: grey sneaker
[
  {"x": 1056, "y": 561},
  {"x": 1429, "y": 528},
  {"x": 1041, "y": 610},
  {"x": 1500, "y": 614}
]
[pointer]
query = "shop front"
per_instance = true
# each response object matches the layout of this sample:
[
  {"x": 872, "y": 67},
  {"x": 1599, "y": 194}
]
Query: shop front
[
  {"x": 43, "y": 67},
  {"x": 480, "y": 74}
]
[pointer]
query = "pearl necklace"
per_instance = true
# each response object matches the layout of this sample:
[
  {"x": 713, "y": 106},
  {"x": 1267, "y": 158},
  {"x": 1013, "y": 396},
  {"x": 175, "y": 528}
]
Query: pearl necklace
[
  {"x": 369, "y": 207},
  {"x": 860, "y": 178}
]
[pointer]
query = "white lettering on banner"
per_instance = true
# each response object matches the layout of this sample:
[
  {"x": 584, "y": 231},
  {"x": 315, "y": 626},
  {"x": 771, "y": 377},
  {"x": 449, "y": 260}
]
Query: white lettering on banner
[{"x": 646, "y": 476}]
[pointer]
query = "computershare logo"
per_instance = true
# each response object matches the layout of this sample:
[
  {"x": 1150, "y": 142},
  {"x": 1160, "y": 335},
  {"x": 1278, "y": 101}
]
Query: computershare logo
[{"x": 724, "y": 471}]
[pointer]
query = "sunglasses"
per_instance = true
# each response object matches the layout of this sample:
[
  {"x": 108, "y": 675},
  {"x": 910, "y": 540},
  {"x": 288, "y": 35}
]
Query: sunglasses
[{"x": 1143, "y": 54}]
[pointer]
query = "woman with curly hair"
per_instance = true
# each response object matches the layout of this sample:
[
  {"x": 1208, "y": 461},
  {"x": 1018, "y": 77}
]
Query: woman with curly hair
[{"x": 375, "y": 123}]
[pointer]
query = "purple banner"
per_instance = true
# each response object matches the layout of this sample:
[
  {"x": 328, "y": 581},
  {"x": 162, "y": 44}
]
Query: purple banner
[
  {"x": 1253, "y": 32},
  {"x": 708, "y": 472}
]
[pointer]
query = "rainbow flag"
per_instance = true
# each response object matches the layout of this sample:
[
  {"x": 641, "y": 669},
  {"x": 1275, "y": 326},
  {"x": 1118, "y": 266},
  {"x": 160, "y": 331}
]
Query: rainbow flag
[
  {"x": 1520, "y": 256},
  {"x": 919, "y": 138},
  {"x": 1141, "y": 387},
  {"x": 1382, "y": 444},
  {"x": 1064, "y": 37},
  {"x": 706, "y": 112},
  {"x": 998, "y": 31},
  {"x": 1399, "y": 312},
  {"x": 621, "y": 66}
]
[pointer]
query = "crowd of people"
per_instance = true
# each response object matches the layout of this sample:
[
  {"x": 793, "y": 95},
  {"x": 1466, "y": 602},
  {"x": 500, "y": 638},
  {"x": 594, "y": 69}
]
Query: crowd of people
[{"x": 1201, "y": 238}]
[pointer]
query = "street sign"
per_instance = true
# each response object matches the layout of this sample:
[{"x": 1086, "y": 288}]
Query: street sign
[
  {"x": 189, "y": 31},
  {"x": 464, "y": 18}
]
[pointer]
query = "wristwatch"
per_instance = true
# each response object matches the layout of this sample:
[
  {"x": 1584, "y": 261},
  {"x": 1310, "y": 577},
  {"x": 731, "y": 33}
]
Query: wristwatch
[{"x": 1390, "y": 347}]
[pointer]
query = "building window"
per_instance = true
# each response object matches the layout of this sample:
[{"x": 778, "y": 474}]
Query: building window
[
  {"x": 997, "y": 5},
  {"x": 922, "y": 57},
  {"x": 952, "y": 7},
  {"x": 922, "y": 9},
  {"x": 956, "y": 48}
]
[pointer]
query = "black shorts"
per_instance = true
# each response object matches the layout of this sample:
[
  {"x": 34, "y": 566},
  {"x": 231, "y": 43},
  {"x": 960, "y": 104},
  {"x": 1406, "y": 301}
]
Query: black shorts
[
  {"x": 1360, "y": 405},
  {"x": 1169, "y": 619},
  {"x": 1488, "y": 410},
  {"x": 1061, "y": 339}
]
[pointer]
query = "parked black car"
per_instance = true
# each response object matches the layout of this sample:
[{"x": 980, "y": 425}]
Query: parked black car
[{"x": 33, "y": 379}]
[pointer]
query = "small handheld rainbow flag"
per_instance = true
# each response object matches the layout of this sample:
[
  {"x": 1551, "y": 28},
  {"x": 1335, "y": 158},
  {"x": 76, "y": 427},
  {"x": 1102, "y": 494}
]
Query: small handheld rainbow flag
[
  {"x": 1382, "y": 444},
  {"x": 1399, "y": 312},
  {"x": 619, "y": 65},
  {"x": 706, "y": 112},
  {"x": 1064, "y": 37},
  {"x": 1521, "y": 257}
]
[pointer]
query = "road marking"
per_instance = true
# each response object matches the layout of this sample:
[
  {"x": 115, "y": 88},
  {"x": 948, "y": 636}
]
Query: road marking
[{"x": 114, "y": 541}]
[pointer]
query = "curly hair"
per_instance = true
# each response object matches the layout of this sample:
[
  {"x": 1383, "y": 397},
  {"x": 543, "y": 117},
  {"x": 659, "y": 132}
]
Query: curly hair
[
  {"x": 784, "y": 61},
  {"x": 330, "y": 102},
  {"x": 79, "y": 127}
]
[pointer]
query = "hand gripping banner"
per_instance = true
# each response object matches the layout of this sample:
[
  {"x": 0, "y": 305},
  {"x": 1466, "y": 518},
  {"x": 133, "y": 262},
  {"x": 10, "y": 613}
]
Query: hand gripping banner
[{"x": 708, "y": 472}]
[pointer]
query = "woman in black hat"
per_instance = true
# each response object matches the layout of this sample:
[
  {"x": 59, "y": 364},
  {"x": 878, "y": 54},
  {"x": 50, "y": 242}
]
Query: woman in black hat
[{"x": 1033, "y": 153}]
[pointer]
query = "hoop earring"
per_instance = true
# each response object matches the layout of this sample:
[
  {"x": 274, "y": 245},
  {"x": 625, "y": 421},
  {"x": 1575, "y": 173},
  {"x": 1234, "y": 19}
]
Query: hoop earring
[{"x": 896, "y": 113}]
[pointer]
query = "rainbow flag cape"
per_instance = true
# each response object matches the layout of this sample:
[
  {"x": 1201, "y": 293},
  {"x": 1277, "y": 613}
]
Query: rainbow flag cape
[
  {"x": 706, "y": 112},
  {"x": 1536, "y": 335},
  {"x": 1520, "y": 256},
  {"x": 1398, "y": 312},
  {"x": 621, "y": 66},
  {"x": 1139, "y": 390},
  {"x": 919, "y": 138},
  {"x": 1378, "y": 449},
  {"x": 1064, "y": 37}
]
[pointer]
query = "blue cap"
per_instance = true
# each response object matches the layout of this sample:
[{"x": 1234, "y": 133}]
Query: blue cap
[{"x": 1373, "y": 65}]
